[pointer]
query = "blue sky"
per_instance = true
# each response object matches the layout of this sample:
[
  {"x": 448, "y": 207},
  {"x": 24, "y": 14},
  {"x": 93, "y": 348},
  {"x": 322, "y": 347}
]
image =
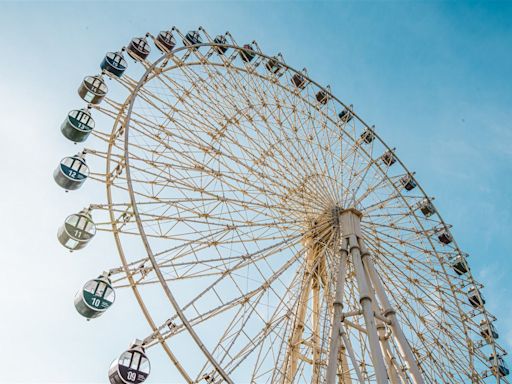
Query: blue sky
[{"x": 434, "y": 77}]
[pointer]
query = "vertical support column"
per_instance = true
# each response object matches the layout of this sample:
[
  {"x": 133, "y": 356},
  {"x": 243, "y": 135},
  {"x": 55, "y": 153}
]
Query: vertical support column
[
  {"x": 350, "y": 220},
  {"x": 390, "y": 360},
  {"x": 344, "y": 373},
  {"x": 381, "y": 328},
  {"x": 316, "y": 331},
  {"x": 334, "y": 347},
  {"x": 389, "y": 313},
  {"x": 297, "y": 333},
  {"x": 369, "y": 318}
]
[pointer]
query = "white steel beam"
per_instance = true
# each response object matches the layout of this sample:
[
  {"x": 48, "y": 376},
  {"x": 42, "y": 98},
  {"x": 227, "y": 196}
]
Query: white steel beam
[
  {"x": 389, "y": 312},
  {"x": 334, "y": 344},
  {"x": 350, "y": 220},
  {"x": 366, "y": 303}
]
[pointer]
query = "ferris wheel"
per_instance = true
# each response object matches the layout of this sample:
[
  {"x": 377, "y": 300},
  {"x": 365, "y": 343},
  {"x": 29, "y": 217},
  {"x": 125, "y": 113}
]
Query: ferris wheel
[{"x": 268, "y": 233}]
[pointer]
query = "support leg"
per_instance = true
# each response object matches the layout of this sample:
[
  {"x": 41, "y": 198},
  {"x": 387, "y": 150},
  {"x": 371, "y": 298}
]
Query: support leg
[
  {"x": 332, "y": 365},
  {"x": 381, "y": 330},
  {"x": 315, "y": 318},
  {"x": 403, "y": 344},
  {"x": 366, "y": 304},
  {"x": 344, "y": 374},
  {"x": 298, "y": 330},
  {"x": 390, "y": 360}
]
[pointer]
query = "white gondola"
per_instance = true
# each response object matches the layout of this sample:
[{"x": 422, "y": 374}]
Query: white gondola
[
  {"x": 132, "y": 367},
  {"x": 71, "y": 172},
  {"x": 78, "y": 125},
  {"x": 78, "y": 229},
  {"x": 95, "y": 297},
  {"x": 93, "y": 89}
]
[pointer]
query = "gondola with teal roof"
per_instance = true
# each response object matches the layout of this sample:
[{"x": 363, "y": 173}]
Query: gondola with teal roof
[
  {"x": 114, "y": 63},
  {"x": 78, "y": 125},
  {"x": 95, "y": 297},
  {"x": 71, "y": 172}
]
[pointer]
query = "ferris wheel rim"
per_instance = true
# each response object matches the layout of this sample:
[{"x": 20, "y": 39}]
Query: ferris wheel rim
[{"x": 146, "y": 78}]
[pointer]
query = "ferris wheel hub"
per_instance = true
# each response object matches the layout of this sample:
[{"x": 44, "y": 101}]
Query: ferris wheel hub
[
  {"x": 351, "y": 222},
  {"x": 327, "y": 228}
]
